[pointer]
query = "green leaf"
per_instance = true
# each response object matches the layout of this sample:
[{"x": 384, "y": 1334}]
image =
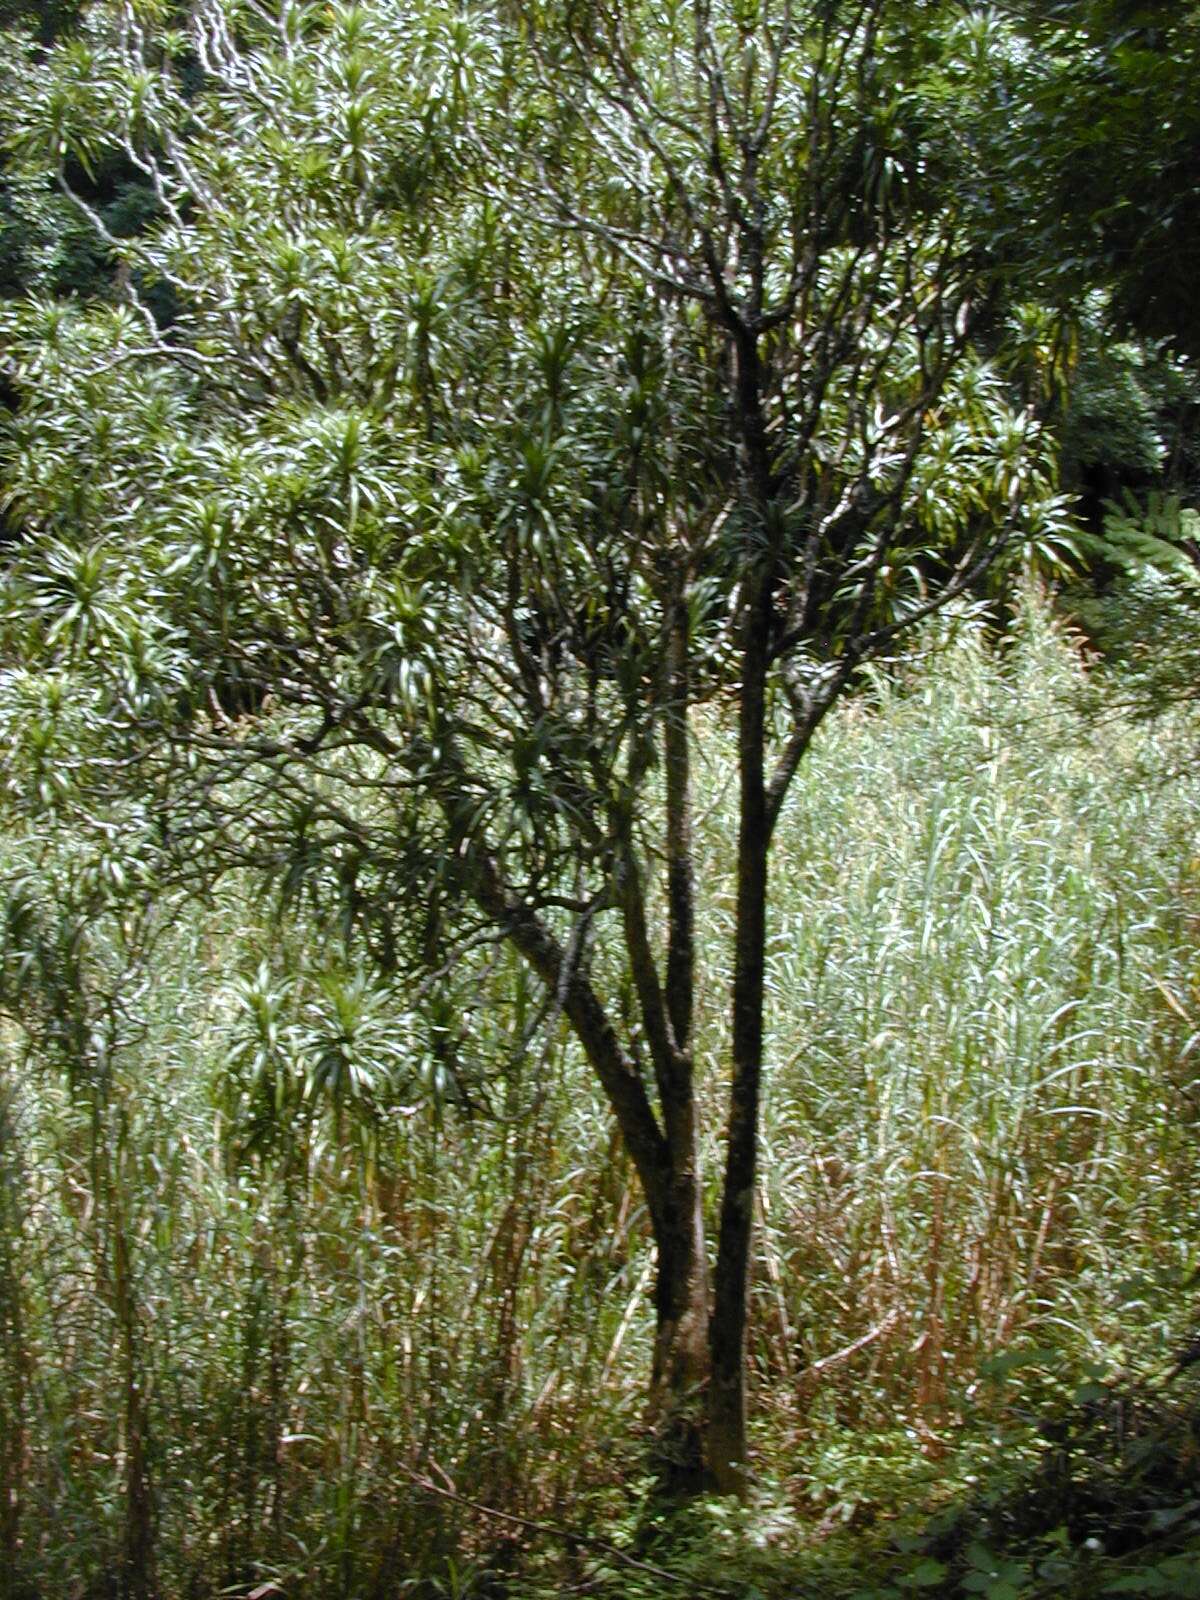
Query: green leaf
[{"x": 926, "y": 1574}]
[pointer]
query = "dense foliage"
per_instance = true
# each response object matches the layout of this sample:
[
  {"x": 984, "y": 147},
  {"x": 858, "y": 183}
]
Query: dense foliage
[
  {"x": 977, "y": 1138},
  {"x": 549, "y": 833}
]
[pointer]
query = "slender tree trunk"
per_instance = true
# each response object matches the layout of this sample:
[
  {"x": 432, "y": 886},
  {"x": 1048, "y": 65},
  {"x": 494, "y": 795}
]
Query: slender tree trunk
[
  {"x": 727, "y": 1334},
  {"x": 682, "y": 1291},
  {"x": 680, "y": 1341},
  {"x": 727, "y": 1394}
]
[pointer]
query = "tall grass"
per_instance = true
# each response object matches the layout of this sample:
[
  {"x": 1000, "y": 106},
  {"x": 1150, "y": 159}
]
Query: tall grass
[
  {"x": 981, "y": 1125},
  {"x": 291, "y": 1365}
]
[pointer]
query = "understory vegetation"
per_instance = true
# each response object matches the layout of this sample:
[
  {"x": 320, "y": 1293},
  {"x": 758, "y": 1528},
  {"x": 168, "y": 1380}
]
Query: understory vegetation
[
  {"x": 599, "y": 851},
  {"x": 299, "y": 1298}
]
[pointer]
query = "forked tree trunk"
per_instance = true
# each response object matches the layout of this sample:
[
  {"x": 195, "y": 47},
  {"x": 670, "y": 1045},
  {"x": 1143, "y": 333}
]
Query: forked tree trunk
[{"x": 698, "y": 1405}]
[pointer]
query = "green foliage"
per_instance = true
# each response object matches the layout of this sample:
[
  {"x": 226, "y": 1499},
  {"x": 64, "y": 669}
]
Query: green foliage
[
  {"x": 987, "y": 999},
  {"x": 1100, "y": 149},
  {"x": 426, "y": 379},
  {"x": 1130, "y": 410},
  {"x": 1147, "y": 619},
  {"x": 1157, "y": 534},
  {"x": 363, "y": 575}
]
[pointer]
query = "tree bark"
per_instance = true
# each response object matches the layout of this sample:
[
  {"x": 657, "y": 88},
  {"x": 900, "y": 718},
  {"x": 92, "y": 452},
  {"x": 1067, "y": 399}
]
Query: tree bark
[
  {"x": 727, "y": 1333},
  {"x": 727, "y": 1393},
  {"x": 682, "y": 1294},
  {"x": 681, "y": 1350},
  {"x": 664, "y": 1148}
]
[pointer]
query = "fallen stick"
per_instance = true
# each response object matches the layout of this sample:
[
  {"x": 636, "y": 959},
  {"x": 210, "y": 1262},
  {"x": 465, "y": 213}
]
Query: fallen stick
[{"x": 557, "y": 1531}]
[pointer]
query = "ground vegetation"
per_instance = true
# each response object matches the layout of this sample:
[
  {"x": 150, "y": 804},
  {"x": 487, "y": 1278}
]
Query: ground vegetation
[{"x": 596, "y": 660}]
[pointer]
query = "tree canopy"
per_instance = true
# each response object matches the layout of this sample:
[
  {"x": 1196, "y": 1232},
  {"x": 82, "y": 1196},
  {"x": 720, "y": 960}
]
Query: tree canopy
[{"x": 479, "y": 394}]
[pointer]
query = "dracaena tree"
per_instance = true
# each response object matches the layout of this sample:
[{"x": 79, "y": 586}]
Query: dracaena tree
[{"x": 533, "y": 378}]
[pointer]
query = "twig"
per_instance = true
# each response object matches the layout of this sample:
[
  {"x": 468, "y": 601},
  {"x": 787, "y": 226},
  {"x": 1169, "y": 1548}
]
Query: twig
[
  {"x": 815, "y": 1368},
  {"x": 557, "y": 1531}
]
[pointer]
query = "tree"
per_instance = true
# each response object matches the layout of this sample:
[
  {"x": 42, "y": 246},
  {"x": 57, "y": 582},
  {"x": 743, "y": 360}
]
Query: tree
[
  {"x": 1100, "y": 146},
  {"x": 538, "y": 377}
]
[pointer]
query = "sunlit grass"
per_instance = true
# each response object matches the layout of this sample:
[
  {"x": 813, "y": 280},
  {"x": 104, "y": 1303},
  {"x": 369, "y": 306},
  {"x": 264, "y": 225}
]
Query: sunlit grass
[{"x": 979, "y": 1137}]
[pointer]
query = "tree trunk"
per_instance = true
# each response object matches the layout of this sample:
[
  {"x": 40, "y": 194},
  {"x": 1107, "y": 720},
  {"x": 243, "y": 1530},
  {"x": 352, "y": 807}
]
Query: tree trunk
[
  {"x": 682, "y": 1294},
  {"x": 682, "y": 1306},
  {"x": 727, "y": 1390}
]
